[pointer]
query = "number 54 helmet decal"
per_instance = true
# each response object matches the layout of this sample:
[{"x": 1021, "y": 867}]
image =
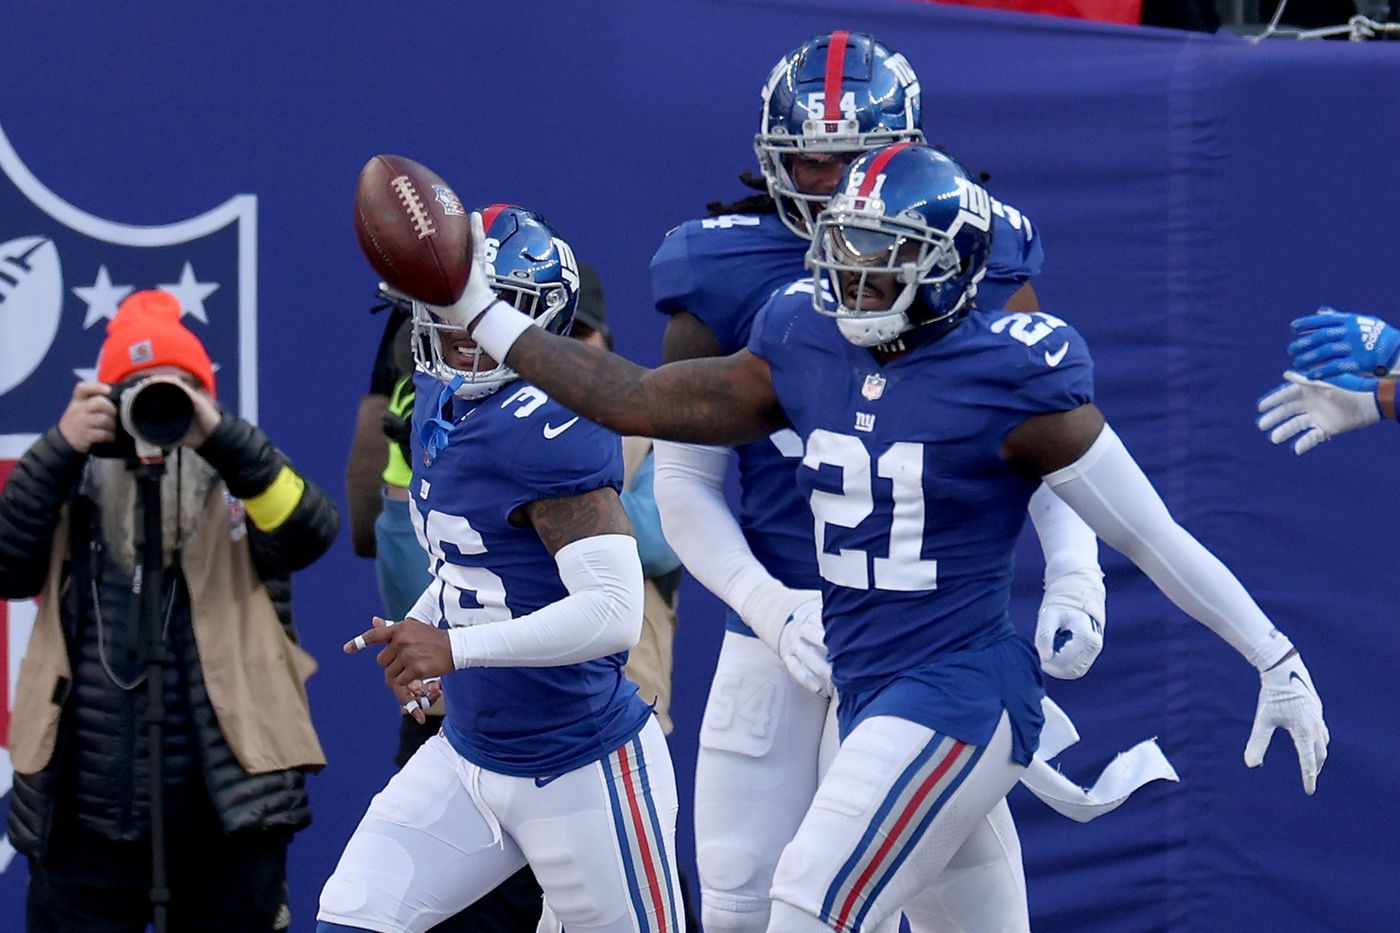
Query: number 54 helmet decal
[
  {"x": 903, "y": 242},
  {"x": 843, "y": 93}
]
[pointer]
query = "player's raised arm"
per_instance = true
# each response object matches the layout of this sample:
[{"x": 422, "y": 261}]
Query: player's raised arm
[
  {"x": 723, "y": 400},
  {"x": 1086, "y": 464}
]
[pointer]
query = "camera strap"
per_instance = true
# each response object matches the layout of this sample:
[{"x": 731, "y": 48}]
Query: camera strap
[{"x": 94, "y": 574}]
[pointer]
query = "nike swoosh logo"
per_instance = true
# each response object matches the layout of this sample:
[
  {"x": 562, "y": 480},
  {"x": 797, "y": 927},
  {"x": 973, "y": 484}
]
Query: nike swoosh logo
[
  {"x": 542, "y": 781},
  {"x": 1293, "y": 675},
  {"x": 551, "y": 432},
  {"x": 1053, "y": 359}
]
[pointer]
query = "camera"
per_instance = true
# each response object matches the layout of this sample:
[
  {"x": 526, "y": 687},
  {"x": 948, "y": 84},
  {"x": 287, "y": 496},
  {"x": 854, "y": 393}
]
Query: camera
[{"x": 155, "y": 409}]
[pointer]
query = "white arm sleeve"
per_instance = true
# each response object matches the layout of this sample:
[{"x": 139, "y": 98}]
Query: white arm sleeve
[
  {"x": 1110, "y": 492},
  {"x": 428, "y": 608},
  {"x": 602, "y": 614},
  {"x": 705, "y": 535},
  {"x": 1071, "y": 549},
  {"x": 1069, "y": 544}
]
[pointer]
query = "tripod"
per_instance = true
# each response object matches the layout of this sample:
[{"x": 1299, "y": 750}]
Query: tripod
[{"x": 149, "y": 637}]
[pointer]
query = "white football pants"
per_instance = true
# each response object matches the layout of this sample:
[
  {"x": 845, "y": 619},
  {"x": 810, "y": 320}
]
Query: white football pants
[
  {"x": 443, "y": 832},
  {"x": 906, "y": 818},
  {"x": 764, "y": 745}
]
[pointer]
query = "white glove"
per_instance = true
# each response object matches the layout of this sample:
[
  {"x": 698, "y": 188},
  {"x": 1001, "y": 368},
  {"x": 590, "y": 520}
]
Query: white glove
[
  {"x": 1288, "y": 700},
  {"x": 1071, "y": 617},
  {"x": 802, "y": 646},
  {"x": 478, "y": 295},
  {"x": 1318, "y": 410}
]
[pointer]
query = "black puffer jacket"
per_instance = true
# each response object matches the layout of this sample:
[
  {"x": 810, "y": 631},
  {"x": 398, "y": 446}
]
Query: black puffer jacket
[{"x": 99, "y": 766}]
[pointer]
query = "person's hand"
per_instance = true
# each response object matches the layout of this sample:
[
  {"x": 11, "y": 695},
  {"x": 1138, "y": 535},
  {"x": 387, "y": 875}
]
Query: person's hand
[
  {"x": 1067, "y": 640},
  {"x": 90, "y": 417},
  {"x": 206, "y": 417},
  {"x": 1318, "y": 410},
  {"x": 478, "y": 295},
  {"x": 1069, "y": 627},
  {"x": 1331, "y": 343},
  {"x": 413, "y": 651},
  {"x": 802, "y": 646},
  {"x": 416, "y": 697},
  {"x": 1288, "y": 700}
]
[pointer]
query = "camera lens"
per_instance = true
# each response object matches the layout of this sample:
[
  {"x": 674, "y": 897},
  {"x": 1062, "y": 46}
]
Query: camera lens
[{"x": 160, "y": 413}]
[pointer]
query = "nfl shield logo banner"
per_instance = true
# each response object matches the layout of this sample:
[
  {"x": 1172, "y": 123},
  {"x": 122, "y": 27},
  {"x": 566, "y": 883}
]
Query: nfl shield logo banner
[{"x": 62, "y": 274}]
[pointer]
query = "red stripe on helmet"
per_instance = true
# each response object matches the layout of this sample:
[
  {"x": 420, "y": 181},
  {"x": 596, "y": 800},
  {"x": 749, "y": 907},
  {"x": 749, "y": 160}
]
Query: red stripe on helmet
[
  {"x": 877, "y": 165},
  {"x": 835, "y": 66},
  {"x": 490, "y": 213}
]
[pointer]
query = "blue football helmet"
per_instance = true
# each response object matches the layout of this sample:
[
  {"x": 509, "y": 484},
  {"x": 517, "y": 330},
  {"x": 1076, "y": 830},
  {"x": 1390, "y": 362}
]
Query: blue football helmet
[
  {"x": 842, "y": 93},
  {"x": 532, "y": 268},
  {"x": 911, "y": 218}
]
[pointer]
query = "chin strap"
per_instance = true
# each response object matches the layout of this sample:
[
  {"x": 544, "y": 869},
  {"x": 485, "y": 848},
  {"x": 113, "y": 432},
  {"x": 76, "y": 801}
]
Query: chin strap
[{"x": 434, "y": 432}]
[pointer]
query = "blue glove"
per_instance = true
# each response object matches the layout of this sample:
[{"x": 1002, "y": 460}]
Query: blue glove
[{"x": 1331, "y": 343}]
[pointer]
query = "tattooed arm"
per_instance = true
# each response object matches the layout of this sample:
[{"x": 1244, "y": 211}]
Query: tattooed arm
[
  {"x": 561, "y": 522},
  {"x": 718, "y": 400}
]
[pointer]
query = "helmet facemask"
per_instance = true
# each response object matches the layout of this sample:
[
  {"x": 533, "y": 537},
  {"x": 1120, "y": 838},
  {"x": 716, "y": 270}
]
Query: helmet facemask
[
  {"x": 531, "y": 268},
  {"x": 853, "y": 242},
  {"x": 775, "y": 149},
  {"x": 542, "y": 303}
]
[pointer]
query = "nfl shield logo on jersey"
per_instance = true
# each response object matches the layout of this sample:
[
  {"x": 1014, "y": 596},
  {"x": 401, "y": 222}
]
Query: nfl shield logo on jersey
[
  {"x": 62, "y": 274},
  {"x": 874, "y": 386}
]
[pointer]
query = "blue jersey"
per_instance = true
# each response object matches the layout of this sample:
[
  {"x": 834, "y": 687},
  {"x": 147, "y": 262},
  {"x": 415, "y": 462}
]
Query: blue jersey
[
  {"x": 722, "y": 270},
  {"x": 504, "y": 451},
  {"x": 917, "y": 514}
]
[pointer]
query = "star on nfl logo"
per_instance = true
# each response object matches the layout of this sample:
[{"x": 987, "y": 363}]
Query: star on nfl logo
[{"x": 874, "y": 386}]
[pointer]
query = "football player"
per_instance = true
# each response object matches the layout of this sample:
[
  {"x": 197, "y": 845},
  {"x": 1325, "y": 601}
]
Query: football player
[
  {"x": 918, "y": 494},
  {"x": 547, "y": 755},
  {"x": 827, "y": 101}
]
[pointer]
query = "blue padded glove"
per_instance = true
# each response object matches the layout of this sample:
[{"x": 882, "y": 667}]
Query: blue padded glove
[{"x": 1331, "y": 343}]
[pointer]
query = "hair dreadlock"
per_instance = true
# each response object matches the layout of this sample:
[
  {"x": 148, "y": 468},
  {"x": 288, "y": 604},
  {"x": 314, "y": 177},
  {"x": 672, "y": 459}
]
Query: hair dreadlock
[{"x": 761, "y": 203}]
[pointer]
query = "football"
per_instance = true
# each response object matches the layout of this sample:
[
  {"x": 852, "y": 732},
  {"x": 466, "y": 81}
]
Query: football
[{"x": 413, "y": 229}]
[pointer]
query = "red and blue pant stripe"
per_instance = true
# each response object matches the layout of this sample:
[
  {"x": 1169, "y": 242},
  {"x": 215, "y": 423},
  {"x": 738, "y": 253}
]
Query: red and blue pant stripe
[
  {"x": 910, "y": 806},
  {"x": 645, "y": 858}
]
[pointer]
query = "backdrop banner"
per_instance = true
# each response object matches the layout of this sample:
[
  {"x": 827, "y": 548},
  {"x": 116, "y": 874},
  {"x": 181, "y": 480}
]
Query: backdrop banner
[{"x": 1194, "y": 192}]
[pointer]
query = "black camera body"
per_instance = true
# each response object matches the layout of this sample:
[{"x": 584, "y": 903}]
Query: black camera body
[{"x": 155, "y": 409}]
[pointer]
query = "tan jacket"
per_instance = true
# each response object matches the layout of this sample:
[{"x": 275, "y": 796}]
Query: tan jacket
[{"x": 255, "y": 675}]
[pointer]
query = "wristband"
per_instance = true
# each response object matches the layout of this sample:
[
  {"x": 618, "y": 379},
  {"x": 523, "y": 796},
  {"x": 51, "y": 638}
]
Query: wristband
[
  {"x": 1385, "y": 398},
  {"x": 498, "y": 328}
]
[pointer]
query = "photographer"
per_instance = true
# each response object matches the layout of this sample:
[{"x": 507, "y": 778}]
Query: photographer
[{"x": 237, "y": 520}]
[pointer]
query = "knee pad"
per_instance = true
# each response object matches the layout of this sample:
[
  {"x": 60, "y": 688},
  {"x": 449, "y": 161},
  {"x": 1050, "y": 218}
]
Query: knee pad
[
  {"x": 726, "y": 912},
  {"x": 733, "y": 874}
]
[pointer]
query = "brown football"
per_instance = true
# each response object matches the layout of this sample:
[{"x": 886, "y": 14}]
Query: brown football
[{"x": 413, "y": 229}]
